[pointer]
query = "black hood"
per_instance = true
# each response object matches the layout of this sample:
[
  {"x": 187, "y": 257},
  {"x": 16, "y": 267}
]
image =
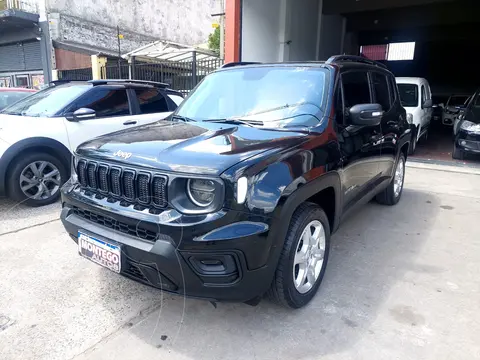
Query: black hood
[{"x": 194, "y": 147}]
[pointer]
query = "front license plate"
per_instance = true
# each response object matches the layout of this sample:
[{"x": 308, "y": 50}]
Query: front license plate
[{"x": 100, "y": 252}]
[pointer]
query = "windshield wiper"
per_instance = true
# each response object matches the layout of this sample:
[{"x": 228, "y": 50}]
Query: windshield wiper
[
  {"x": 236, "y": 122},
  {"x": 183, "y": 118}
]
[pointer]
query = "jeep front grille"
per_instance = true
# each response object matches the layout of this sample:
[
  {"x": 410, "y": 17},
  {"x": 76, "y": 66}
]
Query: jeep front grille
[{"x": 134, "y": 186}]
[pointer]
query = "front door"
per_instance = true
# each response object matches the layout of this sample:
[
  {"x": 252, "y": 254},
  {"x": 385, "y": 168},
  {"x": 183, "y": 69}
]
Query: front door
[
  {"x": 112, "y": 114},
  {"x": 360, "y": 146}
]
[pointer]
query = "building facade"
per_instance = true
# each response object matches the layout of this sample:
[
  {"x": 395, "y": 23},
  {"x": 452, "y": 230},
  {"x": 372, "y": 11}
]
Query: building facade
[{"x": 74, "y": 30}]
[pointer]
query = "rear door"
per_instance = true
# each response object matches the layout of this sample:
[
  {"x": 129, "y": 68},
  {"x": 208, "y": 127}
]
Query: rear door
[
  {"x": 113, "y": 113},
  {"x": 359, "y": 145}
]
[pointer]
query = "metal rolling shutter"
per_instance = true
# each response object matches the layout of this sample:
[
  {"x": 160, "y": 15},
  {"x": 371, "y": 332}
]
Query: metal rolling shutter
[
  {"x": 20, "y": 57},
  {"x": 33, "y": 57}
]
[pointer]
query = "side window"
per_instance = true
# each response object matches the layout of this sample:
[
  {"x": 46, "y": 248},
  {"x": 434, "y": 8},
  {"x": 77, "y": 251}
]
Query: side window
[
  {"x": 380, "y": 86},
  {"x": 392, "y": 85},
  {"x": 105, "y": 102},
  {"x": 423, "y": 95},
  {"x": 339, "y": 111},
  {"x": 151, "y": 101},
  {"x": 356, "y": 89}
]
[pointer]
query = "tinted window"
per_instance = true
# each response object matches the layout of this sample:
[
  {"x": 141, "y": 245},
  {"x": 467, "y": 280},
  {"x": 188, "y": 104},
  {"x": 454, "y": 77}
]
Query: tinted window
[
  {"x": 151, "y": 101},
  {"x": 105, "y": 102},
  {"x": 49, "y": 101},
  {"x": 355, "y": 88},
  {"x": 380, "y": 85},
  {"x": 457, "y": 100},
  {"x": 339, "y": 115},
  {"x": 392, "y": 85},
  {"x": 408, "y": 94}
]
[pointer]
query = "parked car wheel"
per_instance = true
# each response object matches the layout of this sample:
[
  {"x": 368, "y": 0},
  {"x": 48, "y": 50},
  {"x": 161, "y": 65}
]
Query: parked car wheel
[
  {"x": 413, "y": 143},
  {"x": 392, "y": 194},
  {"x": 36, "y": 178},
  {"x": 458, "y": 154},
  {"x": 304, "y": 258}
]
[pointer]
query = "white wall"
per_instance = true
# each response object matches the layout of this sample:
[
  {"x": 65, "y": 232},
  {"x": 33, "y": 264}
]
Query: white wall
[
  {"x": 289, "y": 30},
  {"x": 303, "y": 30},
  {"x": 261, "y": 30}
]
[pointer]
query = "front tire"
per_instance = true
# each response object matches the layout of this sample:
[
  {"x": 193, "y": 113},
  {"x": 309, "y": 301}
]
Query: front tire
[
  {"x": 35, "y": 179},
  {"x": 304, "y": 258},
  {"x": 392, "y": 194}
]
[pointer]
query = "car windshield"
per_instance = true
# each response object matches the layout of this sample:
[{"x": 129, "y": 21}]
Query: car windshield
[
  {"x": 408, "y": 94},
  {"x": 457, "y": 100},
  {"x": 47, "y": 102},
  {"x": 7, "y": 98},
  {"x": 269, "y": 96}
]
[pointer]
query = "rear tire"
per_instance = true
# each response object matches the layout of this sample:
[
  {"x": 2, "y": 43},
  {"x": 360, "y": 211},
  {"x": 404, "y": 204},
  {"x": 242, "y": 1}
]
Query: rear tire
[
  {"x": 293, "y": 285},
  {"x": 457, "y": 153},
  {"x": 392, "y": 194},
  {"x": 35, "y": 179}
]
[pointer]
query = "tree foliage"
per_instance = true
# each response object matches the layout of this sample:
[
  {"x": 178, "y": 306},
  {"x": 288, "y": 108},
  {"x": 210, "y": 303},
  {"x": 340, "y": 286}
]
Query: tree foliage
[{"x": 214, "y": 40}]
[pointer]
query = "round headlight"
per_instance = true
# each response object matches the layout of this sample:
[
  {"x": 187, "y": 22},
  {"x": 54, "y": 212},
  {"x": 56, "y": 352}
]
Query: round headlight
[{"x": 201, "y": 192}]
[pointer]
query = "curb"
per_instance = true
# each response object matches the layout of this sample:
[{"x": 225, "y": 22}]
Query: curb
[{"x": 438, "y": 165}]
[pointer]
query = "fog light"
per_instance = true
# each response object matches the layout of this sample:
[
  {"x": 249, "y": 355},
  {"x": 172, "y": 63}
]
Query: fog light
[{"x": 463, "y": 143}]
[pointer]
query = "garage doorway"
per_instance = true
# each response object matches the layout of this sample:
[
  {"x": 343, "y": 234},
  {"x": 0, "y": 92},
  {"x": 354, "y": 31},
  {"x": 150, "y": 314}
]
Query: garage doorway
[{"x": 443, "y": 34}]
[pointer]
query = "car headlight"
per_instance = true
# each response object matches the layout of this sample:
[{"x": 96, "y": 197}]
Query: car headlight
[
  {"x": 409, "y": 118},
  {"x": 196, "y": 195},
  {"x": 201, "y": 192},
  {"x": 470, "y": 126}
]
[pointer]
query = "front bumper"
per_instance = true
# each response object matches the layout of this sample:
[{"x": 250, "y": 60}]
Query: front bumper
[
  {"x": 226, "y": 259},
  {"x": 468, "y": 142}
]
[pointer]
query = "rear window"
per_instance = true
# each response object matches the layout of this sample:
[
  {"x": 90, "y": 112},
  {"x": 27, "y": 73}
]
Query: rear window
[
  {"x": 408, "y": 94},
  {"x": 7, "y": 98}
]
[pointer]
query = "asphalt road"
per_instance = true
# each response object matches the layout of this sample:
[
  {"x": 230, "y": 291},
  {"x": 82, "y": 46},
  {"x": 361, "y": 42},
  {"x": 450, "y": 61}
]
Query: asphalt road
[{"x": 401, "y": 283}]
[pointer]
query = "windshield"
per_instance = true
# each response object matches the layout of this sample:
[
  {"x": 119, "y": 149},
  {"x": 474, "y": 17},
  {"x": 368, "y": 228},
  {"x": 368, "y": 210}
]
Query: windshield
[
  {"x": 457, "y": 100},
  {"x": 273, "y": 96},
  {"x": 47, "y": 102},
  {"x": 9, "y": 97},
  {"x": 408, "y": 94}
]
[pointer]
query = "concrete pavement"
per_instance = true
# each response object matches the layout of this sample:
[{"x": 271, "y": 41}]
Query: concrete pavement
[{"x": 401, "y": 283}]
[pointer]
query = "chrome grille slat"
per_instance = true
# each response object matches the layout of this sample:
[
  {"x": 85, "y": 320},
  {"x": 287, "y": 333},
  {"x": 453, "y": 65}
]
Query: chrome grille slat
[{"x": 123, "y": 184}]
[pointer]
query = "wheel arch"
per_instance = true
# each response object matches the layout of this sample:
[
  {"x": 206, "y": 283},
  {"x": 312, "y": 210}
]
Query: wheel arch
[{"x": 50, "y": 146}]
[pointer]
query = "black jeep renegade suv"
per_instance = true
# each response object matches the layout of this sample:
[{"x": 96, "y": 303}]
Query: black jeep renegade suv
[{"x": 236, "y": 195}]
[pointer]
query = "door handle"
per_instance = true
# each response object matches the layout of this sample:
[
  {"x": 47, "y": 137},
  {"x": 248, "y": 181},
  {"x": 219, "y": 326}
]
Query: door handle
[{"x": 131, "y": 122}]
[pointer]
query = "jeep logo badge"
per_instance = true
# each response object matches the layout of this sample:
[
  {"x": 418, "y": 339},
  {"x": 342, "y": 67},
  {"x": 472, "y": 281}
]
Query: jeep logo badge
[{"x": 122, "y": 154}]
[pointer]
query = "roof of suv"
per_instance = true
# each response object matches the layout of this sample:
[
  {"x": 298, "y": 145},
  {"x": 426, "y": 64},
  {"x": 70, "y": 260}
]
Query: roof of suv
[
  {"x": 118, "y": 82},
  {"x": 334, "y": 61}
]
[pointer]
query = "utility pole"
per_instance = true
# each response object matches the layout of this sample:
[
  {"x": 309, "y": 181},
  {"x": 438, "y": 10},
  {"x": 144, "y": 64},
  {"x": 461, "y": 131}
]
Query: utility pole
[{"x": 119, "y": 36}]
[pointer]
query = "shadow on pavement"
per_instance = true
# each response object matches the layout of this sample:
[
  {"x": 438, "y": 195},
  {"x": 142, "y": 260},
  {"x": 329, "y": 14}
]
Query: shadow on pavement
[{"x": 371, "y": 252}]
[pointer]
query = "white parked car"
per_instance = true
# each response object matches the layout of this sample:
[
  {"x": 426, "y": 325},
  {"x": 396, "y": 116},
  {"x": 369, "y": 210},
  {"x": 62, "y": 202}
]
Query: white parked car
[
  {"x": 39, "y": 133},
  {"x": 416, "y": 98},
  {"x": 451, "y": 109}
]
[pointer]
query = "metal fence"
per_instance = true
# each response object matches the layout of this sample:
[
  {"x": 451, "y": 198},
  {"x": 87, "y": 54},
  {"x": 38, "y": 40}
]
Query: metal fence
[
  {"x": 28, "y": 6},
  {"x": 75, "y": 74},
  {"x": 181, "y": 76}
]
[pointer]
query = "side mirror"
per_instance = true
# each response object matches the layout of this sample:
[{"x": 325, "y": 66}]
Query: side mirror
[
  {"x": 366, "y": 114},
  {"x": 427, "y": 104},
  {"x": 83, "y": 114}
]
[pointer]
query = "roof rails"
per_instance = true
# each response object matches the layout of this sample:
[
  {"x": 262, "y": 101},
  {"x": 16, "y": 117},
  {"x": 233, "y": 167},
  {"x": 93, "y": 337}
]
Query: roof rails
[
  {"x": 240, "y": 63},
  {"x": 340, "y": 58},
  {"x": 129, "y": 81}
]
